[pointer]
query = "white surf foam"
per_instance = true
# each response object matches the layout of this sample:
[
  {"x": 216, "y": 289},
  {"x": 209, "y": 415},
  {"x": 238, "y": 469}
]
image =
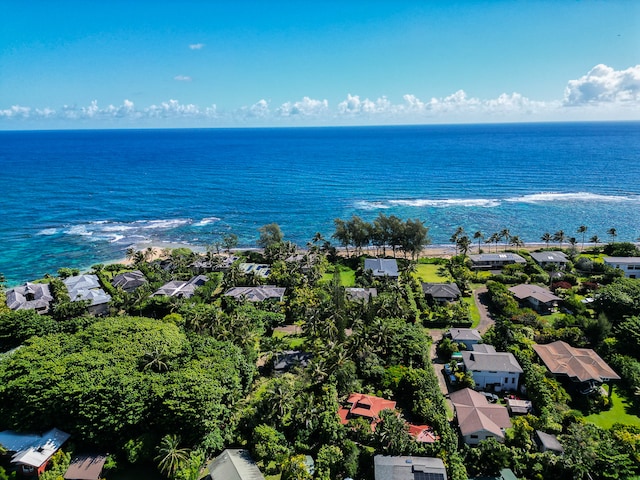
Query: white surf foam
[
  {"x": 571, "y": 197},
  {"x": 48, "y": 231},
  {"x": 206, "y": 221},
  {"x": 365, "y": 205},
  {"x": 448, "y": 202}
]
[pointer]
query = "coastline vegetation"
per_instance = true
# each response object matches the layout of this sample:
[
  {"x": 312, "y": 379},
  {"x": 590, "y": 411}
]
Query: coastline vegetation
[{"x": 171, "y": 382}]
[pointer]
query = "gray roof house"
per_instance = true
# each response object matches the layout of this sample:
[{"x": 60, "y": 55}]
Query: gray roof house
[
  {"x": 257, "y": 294},
  {"x": 539, "y": 298},
  {"x": 548, "y": 443},
  {"x": 258, "y": 269},
  {"x": 289, "y": 359},
  {"x": 629, "y": 265},
  {"x": 408, "y": 468},
  {"x": 30, "y": 296},
  {"x": 31, "y": 452},
  {"x": 129, "y": 281},
  {"x": 557, "y": 259},
  {"x": 87, "y": 287},
  {"x": 382, "y": 267},
  {"x": 441, "y": 292},
  {"x": 492, "y": 370},
  {"x": 488, "y": 261},
  {"x": 360, "y": 294},
  {"x": 466, "y": 336},
  {"x": 181, "y": 289},
  {"x": 234, "y": 464}
]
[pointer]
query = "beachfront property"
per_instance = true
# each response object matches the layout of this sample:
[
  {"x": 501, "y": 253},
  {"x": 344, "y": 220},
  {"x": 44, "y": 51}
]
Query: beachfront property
[
  {"x": 382, "y": 267},
  {"x": 557, "y": 260},
  {"x": 582, "y": 366},
  {"x": 217, "y": 263},
  {"x": 129, "y": 281},
  {"x": 465, "y": 336},
  {"x": 441, "y": 293},
  {"x": 494, "y": 261},
  {"x": 30, "y": 296},
  {"x": 181, "y": 289},
  {"x": 234, "y": 464},
  {"x": 31, "y": 452},
  {"x": 408, "y": 468},
  {"x": 495, "y": 371},
  {"x": 257, "y": 294},
  {"x": 541, "y": 299},
  {"x": 257, "y": 269},
  {"x": 356, "y": 294},
  {"x": 477, "y": 418},
  {"x": 88, "y": 288},
  {"x": 629, "y": 265}
]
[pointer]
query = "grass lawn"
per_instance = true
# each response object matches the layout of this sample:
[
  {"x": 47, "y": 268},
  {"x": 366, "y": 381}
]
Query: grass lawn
[
  {"x": 347, "y": 277},
  {"x": 473, "y": 311},
  {"x": 430, "y": 273},
  {"x": 620, "y": 413}
]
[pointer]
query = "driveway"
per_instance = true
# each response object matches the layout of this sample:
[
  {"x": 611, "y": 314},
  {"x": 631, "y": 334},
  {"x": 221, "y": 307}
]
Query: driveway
[{"x": 481, "y": 297}]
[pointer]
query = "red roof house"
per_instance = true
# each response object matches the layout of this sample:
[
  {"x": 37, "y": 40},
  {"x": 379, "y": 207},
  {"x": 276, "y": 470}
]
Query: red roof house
[{"x": 366, "y": 406}]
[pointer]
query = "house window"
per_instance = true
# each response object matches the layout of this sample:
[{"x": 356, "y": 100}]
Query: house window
[
  {"x": 473, "y": 436},
  {"x": 506, "y": 379}
]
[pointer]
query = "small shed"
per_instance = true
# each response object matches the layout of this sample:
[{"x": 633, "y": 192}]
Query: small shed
[{"x": 548, "y": 443}]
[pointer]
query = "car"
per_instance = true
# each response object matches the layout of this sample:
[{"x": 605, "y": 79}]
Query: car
[
  {"x": 453, "y": 379},
  {"x": 491, "y": 397}
]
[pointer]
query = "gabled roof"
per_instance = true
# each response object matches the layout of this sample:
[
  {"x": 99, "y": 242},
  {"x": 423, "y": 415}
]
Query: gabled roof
[
  {"x": 291, "y": 358},
  {"x": 582, "y": 364},
  {"x": 625, "y": 260},
  {"x": 549, "y": 257},
  {"x": 31, "y": 449},
  {"x": 497, "y": 257},
  {"x": 367, "y": 406},
  {"x": 129, "y": 281},
  {"x": 441, "y": 290},
  {"x": 85, "y": 467},
  {"x": 382, "y": 267},
  {"x": 355, "y": 293},
  {"x": 549, "y": 442},
  {"x": 422, "y": 433},
  {"x": 258, "y": 269},
  {"x": 543, "y": 295},
  {"x": 181, "y": 289},
  {"x": 490, "y": 361},
  {"x": 17, "y": 297},
  {"x": 234, "y": 464},
  {"x": 408, "y": 468},
  {"x": 256, "y": 294},
  {"x": 465, "y": 334},
  {"x": 86, "y": 287},
  {"x": 476, "y": 414}
]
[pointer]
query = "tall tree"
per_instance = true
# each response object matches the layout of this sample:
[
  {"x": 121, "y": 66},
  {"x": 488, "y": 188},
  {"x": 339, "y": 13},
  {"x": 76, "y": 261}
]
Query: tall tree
[
  {"x": 559, "y": 237},
  {"x": 270, "y": 234},
  {"x": 546, "y": 238},
  {"x": 456, "y": 235},
  {"x": 583, "y": 230},
  {"x": 613, "y": 233},
  {"x": 342, "y": 233},
  {"x": 595, "y": 240},
  {"x": 505, "y": 234},
  {"x": 170, "y": 456},
  {"x": 478, "y": 236}
]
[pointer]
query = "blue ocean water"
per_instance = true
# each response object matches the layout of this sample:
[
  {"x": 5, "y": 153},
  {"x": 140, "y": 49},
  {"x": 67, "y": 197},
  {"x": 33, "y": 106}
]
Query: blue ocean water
[{"x": 75, "y": 198}]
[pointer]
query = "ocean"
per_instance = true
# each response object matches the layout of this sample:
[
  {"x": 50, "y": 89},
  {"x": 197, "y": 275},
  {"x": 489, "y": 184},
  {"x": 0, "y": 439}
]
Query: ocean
[{"x": 76, "y": 198}]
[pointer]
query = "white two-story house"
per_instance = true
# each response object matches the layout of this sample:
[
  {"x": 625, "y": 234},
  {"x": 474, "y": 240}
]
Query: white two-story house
[
  {"x": 494, "y": 371},
  {"x": 629, "y": 265}
]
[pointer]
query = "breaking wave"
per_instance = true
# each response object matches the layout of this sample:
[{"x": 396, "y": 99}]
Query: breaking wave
[{"x": 572, "y": 197}]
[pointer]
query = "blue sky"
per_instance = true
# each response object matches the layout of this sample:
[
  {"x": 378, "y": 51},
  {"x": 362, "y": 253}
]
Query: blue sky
[{"x": 72, "y": 64}]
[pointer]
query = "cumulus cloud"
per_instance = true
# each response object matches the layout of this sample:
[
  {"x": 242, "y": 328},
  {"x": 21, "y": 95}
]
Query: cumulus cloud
[
  {"x": 602, "y": 84},
  {"x": 305, "y": 107},
  {"x": 196, "y": 46},
  {"x": 182, "y": 78},
  {"x": 260, "y": 109},
  {"x": 15, "y": 111},
  {"x": 352, "y": 105}
]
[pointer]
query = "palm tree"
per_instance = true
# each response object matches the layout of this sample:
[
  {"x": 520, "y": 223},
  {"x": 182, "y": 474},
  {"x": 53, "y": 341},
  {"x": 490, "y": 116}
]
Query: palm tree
[
  {"x": 506, "y": 235},
  {"x": 516, "y": 241},
  {"x": 583, "y": 230},
  {"x": 613, "y": 233},
  {"x": 170, "y": 456},
  {"x": 595, "y": 240},
  {"x": 463, "y": 243},
  {"x": 478, "y": 236},
  {"x": 559, "y": 236},
  {"x": 456, "y": 235},
  {"x": 546, "y": 238},
  {"x": 156, "y": 360}
]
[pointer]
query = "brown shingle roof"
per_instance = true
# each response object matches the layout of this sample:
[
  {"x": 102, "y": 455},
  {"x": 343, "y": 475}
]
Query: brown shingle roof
[
  {"x": 541, "y": 294},
  {"x": 582, "y": 364},
  {"x": 476, "y": 414}
]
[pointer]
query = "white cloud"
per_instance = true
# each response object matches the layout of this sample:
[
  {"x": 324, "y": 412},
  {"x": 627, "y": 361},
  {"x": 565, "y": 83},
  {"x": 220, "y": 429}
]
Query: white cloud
[
  {"x": 182, "y": 78},
  {"x": 602, "y": 84},
  {"x": 260, "y": 109},
  {"x": 354, "y": 106},
  {"x": 196, "y": 46},
  {"x": 305, "y": 107},
  {"x": 16, "y": 111}
]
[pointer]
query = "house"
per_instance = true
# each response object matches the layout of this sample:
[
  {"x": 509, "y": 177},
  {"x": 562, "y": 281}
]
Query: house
[
  {"x": 422, "y": 433},
  {"x": 492, "y": 370},
  {"x": 629, "y": 265},
  {"x": 30, "y": 296},
  {"x": 466, "y": 336},
  {"x": 86, "y": 467},
  {"x": 291, "y": 358},
  {"x": 408, "y": 468},
  {"x": 181, "y": 289},
  {"x": 582, "y": 366},
  {"x": 87, "y": 288},
  {"x": 539, "y": 298},
  {"x": 557, "y": 260},
  {"x": 366, "y": 406},
  {"x": 31, "y": 452},
  {"x": 504, "y": 474},
  {"x": 234, "y": 464},
  {"x": 548, "y": 443},
  {"x": 440, "y": 293},
  {"x": 494, "y": 261},
  {"x": 129, "y": 281},
  {"x": 257, "y": 294},
  {"x": 216, "y": 263},
  {"x": 477, "y": 418},
  {"x": 382, "y": 267},
  {"x": 257, "y": 269},
  {"x": 360, "y": 294}
]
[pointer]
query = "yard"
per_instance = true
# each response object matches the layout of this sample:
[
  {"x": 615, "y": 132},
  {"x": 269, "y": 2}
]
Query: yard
[
  {"x": 347, "y": 276},
  {"x": 432, "y": 273},
  {"x": 622, "y": 411}
]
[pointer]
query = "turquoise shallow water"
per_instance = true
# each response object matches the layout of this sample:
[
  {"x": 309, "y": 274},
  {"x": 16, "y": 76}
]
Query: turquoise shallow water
[{"x": 74, "y": 198}]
